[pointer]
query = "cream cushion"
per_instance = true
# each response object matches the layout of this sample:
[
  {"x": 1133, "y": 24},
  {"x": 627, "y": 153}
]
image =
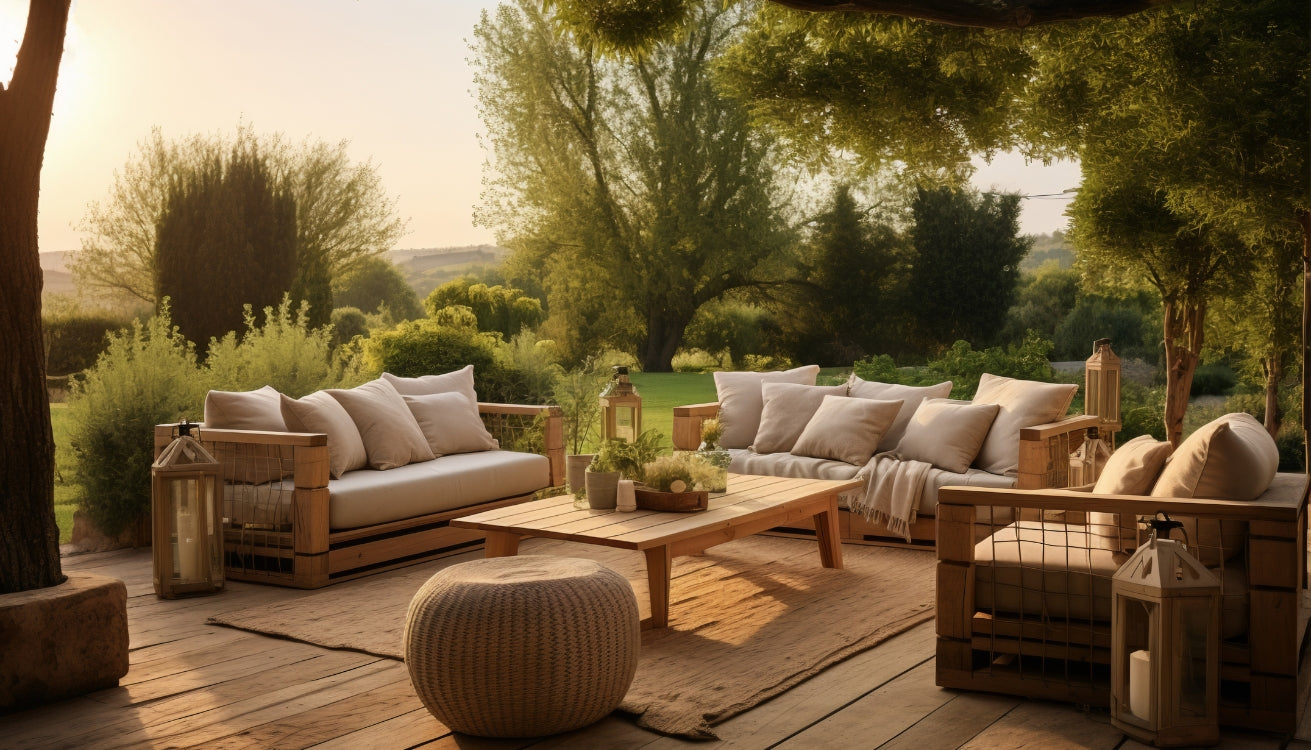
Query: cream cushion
[
  {"x": 1023, "y": 403},
  {"x": 460, "y": 381},
  {"x": 391, "y": 436},
  {"x": 259, "y": 409},
  {"x": 741, "y": 400},
  {"x": 788, "y": 407},
  {"x": 910, "y": 397},
  {"x": 1131, "y": 470},
  {"x": 450, "y": 423},
  {"x": 847, "y": 429},
  {"x": 320, "y": 412},
  {"x": 946, "y": 433},
  {"x": 1229, "y": 458}
]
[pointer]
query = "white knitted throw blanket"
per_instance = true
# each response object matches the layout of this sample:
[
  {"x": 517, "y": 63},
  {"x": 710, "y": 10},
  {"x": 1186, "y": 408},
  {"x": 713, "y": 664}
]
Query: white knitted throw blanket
[{"x": 893, "y": 489}]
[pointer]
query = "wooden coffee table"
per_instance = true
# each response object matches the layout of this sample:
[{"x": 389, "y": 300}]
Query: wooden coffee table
[{"x": 752, "y": 505}]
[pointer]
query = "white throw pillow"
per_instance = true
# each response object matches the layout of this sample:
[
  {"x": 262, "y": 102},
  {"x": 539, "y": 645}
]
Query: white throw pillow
[
  {"x": 391, "y": 436},
  {"x": 259, "y": 409},
  {"x": 1230, "y": 458},
  {"x": 741, "y": 400},
  {"x": 788, "y": 408},
  {"x": 1023, "y": 403},
  {"x": 460, "y": 381},
  {"x": 450, "y": 423},
  {"x": 910, "y": 397},
  {"x": 946, "y": 433},
  {"x": 319, "y": 412},
  {"x": 846, "y": 429}
]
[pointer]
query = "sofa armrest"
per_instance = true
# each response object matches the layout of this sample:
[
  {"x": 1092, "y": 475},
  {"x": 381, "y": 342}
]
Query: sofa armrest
[
  {"x": 510, "y": 418},
  {"x": 687, "y": 424},
  {"x": 1045, "y": 451}
]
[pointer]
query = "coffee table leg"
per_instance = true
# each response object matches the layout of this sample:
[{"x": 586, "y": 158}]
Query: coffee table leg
[
  {"x": 501, "y": 544},
  {"x": 830, "y": 537},
  {"x": 658, "y": 566}
]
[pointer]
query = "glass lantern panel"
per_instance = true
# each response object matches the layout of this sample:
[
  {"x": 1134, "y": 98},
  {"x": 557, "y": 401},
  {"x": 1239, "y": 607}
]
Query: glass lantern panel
[
  {"x": 1194, "y": 625},
  {"x": 1136, "y": 626},
  {"x": 625, "y": 423}
]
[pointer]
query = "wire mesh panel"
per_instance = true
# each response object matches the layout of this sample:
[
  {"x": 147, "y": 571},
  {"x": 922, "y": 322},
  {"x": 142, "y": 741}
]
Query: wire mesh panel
[{"x": 258, "y": 506}]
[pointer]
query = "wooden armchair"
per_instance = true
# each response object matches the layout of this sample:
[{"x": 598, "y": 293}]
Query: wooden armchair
[{"x": 1060, "y": 649}]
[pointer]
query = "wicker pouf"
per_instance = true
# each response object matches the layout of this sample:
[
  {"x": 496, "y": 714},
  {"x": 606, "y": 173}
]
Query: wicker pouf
[{"x": 522, "y": 646}]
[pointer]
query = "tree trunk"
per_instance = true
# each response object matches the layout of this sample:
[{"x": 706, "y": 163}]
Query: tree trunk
[
  {"x": 1304, "y": 219},
  {"x": 663, "y": 336},
  {"x": 1274, "y": 372},
  {"x": 29, "y": 537},
  {"x": 1183, "y": 346}
]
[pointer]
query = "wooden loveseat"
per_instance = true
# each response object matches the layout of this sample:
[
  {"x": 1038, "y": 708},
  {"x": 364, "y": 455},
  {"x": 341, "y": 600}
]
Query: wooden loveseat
[
  {"x": 287, "y": 521},
  {"x": 1023, "y": 606},
  {"x": 1039, "y": 453}
]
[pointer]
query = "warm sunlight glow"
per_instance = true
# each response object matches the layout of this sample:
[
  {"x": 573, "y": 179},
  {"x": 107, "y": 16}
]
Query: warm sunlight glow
[{"x": 13, "y": 16}]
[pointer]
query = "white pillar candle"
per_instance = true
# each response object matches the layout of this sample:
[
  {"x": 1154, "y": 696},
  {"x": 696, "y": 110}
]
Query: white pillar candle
[
  {"x": 625, "y": 496},
  {"x": 188, "y": 550},
  {"x": 1140, "y": 684}
]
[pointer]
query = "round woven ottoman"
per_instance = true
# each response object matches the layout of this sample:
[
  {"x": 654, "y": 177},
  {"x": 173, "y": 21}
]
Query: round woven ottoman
[{"x": 522, "y": 646}]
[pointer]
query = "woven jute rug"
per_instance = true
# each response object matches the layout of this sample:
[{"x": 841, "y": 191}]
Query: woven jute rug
[{"x": 748, "y": 620}]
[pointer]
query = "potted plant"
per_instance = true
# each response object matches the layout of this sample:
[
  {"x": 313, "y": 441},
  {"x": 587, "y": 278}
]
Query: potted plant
[
  {"x": 619, "y": 459},
  {"x": 675, "y": 483}
]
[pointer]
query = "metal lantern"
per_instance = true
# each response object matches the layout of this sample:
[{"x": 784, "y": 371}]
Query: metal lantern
[
  {"x": 1101, "y": 393},
  {"x": 1165, "y": 645},
  {"x": 186, "y": 533},
  {"x": 621, "y": 408}
]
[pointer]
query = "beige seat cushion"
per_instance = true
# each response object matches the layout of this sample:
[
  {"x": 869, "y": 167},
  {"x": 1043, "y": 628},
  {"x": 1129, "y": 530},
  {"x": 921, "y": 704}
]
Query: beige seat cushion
[
  {"x": 946, "y": 433},
  {"x": 741, "y": 400},
  {"x": 1229, "y": 458},
  {"x": 910, "y": 397},
  {"x": 450, "y": 423},
  {"x": 746, "y": 461},
  {"x": 787, "y": 410},
  {"x": 1048, "y": 570},
  {"x": 1131, "y": 470},
  {"x": 390, "y": 434},
  {"x": 367, "y": 497},
  {"x": 1022, "y": 403},
  {"x": 320, "y": 412},
  {"x": 460, "y": 381},
  {"x": 846, "y": 429}
]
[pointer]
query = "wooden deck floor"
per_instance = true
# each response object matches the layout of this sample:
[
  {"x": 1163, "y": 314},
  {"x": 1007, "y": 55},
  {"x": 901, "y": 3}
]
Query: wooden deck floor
[{"x": 193, "y": 684}]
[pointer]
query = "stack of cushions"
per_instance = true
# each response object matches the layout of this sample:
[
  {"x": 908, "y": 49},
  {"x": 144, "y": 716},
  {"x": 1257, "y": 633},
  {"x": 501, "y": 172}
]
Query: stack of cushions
[
  {"x": 782, "y": 424},
  {"x": 418, "y": 444},
  {"x": 1067, "y": 569}
]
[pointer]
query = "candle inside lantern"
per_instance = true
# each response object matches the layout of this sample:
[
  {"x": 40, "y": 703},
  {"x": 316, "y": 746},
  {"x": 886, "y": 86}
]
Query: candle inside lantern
[
  {"x": 188, "y": 551},
  {"x": 1140, "y": 684}
]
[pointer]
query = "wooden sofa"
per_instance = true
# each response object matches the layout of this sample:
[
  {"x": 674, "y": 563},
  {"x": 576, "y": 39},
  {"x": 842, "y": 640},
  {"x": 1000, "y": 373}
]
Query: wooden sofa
[
  {"x": 1044, "y": 463},
  {"x": 1063, "y": 656},
  {"x": 302, "y": 550}
]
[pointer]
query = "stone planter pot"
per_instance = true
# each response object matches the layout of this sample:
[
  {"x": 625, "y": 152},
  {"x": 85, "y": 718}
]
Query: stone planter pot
[
  {"x": 62, "y": 641},
  {"x": 575, "y": 470},
  {"x": 602, "y": 487}
]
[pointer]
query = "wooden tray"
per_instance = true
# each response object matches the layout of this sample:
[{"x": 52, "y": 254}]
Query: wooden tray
[{"x": 677, "y": 502}]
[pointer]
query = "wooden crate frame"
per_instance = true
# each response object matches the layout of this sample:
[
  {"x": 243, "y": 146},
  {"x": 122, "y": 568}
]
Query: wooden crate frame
[
  {"x": 310, "y": 555},
  {"x": 979, "y": 650}
]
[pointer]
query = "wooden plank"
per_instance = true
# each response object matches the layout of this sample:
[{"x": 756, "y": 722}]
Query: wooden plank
[
  {"x": 1273, "y": 562},
  {"x": 953, "y": 724},
  {"x": 415, "y": 543},
  {"x": 1272, "y": 631},
  {"x": 1049, "y": 726},
  {"x": 407, "y": 730},
  {"x": 955, "y": 599},
  {"x": 878, "y": 716}
]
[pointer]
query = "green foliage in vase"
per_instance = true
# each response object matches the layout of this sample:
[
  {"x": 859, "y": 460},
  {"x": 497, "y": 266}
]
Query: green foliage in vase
[{"x": 629, "y": 459}]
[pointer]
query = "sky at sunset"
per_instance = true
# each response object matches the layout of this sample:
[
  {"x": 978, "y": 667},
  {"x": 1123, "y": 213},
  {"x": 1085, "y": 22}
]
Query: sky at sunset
[{"x": 389, "y": 76}]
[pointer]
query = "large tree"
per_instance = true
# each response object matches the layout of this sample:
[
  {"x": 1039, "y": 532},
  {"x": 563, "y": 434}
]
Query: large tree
[
  {"x": 29, "y": 537},
  {"x": 343, "y": 214},
  {"x": 227, "y": 239},
  {"x": 627, "y": 182}
]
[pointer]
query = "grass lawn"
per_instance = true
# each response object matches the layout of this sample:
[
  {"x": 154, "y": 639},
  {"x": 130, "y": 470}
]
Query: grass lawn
[
  {"x": 662, "y": 391},
  {"x": 64, "y": 491}
]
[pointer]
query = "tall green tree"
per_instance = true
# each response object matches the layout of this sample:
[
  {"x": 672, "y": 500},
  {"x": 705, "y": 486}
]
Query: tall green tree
[
  {"x": 29, "y": 537},
  {"x": 498, "y": 308},
  {"x": 373, "y": 282},
  {"x": 343, "y": 214},
  {"x": 227, "y": 239},
  {"x": 628, "y": 183},
  {"x": 967, "y": 264}
]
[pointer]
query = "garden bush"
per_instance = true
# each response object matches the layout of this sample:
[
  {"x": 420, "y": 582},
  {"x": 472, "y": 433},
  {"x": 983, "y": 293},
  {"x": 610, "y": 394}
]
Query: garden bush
[
  {"x": 284, "y": 353},
  {"x": 347, "y": 323},
  {"x": 147, "y": 376},
  {"x": 1213, "y": 380},
  {"x": 74, "y": 340}
]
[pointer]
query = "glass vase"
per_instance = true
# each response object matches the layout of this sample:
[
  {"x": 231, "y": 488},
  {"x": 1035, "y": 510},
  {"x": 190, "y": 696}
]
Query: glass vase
[{"x": 718, "y": 458}]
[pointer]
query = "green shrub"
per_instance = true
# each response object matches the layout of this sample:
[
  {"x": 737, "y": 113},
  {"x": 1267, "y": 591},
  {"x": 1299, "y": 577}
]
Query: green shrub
[
  {"x": 284, "y": 353},
  {"x": 147, "y": 376},
  {"x": 347, "y": 323},
  {"x": 75, "y": 340},
  {"x": 1213, "y": 380},
  {"x": 530, "y": 368},
  {"x": 696, "y": 360},
  {"x": 964, "y": 366}
]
